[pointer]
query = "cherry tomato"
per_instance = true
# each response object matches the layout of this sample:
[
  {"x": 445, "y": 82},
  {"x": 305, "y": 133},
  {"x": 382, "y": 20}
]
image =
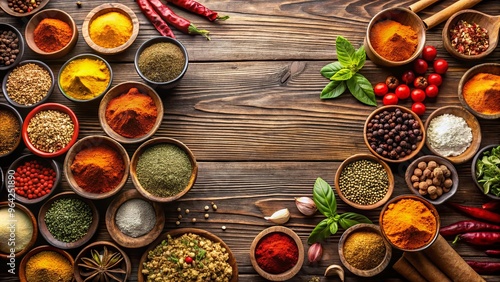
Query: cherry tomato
[
  {"x": 418, "y": 108},
  {"x": 402, "y": 91},
  {"x": 408, "y": 77},
  {"x": 417, "y": 95},
  {"x": 431, "y": 91},
  {"x": 390, "y": 99},
  {"x": 440, "y": 66},
  {"x": 429, "y": 53},
  {"x": 420, "y": 66},
  {"x": 420, "y": 82},
  {"x": 434, "y": 79},
  {"x": 380, "y": 89}
]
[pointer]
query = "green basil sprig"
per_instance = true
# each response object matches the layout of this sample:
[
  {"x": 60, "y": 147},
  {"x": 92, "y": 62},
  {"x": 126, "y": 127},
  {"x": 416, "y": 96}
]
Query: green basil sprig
[
  {"x": 324, "y": 198},
  {"x": 343, "y": 74}
]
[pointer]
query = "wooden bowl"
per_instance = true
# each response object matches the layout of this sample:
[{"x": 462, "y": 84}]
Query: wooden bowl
[
  {"x": 157, "y": 141},
  {"x": 34, "y": 236},
  {"x": 392, "y": 108},
  {"x": 45, "y": 107},
  {"x": 477, "y": 157},
  {"x": 89, "y": 142},
  {"x": 54, "y": 14},
  {"x": 22, "y": 266},
  {"x": 440, "y": 161},
  {"x": 471, "y": 16},
  {"x": 4, "y": 4},
  {"x": 50, "y": 238},
  {"x": 404, "y": 16},
  {"x": 6, "y": 107},
  {"x": 492, "y": 68},
  {"x": 351, "y": 268},
  {"x": 47, "y": 162},
  {"x": 43, "y": 100},
  {"x": 287, "y": 274},
  {"x": 8, "y": 27},
  {"x": 471, "y": 121},
  {"x": 123, "y": 239},
  {"x": 181, "y": 231},
  {"x": 104, "y": 9},
  {"x": 99, "y": 246},
  {"x": 123, "y": 88},
  {"x": 372, "y": 158}
]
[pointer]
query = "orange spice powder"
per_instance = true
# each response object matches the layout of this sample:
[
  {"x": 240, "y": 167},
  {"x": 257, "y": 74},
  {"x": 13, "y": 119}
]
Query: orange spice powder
[
  {"x": 482, "y": 93},
  {"x": 393, "y": 41}
]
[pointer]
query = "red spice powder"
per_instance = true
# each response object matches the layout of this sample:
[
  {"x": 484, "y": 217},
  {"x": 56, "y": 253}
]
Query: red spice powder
[{"x": 276, "y": 253}]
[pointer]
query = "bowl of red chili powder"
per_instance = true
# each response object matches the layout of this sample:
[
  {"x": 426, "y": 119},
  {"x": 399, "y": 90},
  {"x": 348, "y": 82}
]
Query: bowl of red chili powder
[{"x": 277, "y": 253}]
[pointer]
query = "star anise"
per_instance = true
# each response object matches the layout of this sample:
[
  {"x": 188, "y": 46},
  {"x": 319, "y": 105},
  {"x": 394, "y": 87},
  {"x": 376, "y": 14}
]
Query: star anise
[{"x": 103, "y": 267}]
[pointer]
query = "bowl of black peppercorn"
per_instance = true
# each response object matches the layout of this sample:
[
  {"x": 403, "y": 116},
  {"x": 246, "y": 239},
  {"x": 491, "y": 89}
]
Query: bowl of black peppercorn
[
  {"x": 11, "y": 46},
  {"x": 394, "y": 133}
]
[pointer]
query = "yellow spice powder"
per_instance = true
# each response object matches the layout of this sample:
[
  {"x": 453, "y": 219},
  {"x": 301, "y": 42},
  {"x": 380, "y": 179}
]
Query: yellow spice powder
[
  {"x": 85, "y": 78},
  {"x": 111, "y": 30}
]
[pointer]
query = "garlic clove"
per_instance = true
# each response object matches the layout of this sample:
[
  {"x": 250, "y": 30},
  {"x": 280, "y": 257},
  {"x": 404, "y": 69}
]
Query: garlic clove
[
  {"x": 306, "y": 205},
  {"x": 315, "y": 252},
  {"x": 335, "y": 270},
  {"x": 279, "y": 217}
]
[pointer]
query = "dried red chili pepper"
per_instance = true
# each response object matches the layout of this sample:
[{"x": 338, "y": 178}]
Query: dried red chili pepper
[
  {"x": 199, "y": 9},
  {"x": 479, "y": 238},
  {"x": 484, "y": 267},
  {"x": 469, "y": 39},
  {"x": 493, "y": 253},
  {"x": 491, "y": 205},
  {"x": 160, "y": 25},
  {"x": 179, "y": 22},
  {"x": 478, "y": 213},
  {"x": 467, "y": 226}
]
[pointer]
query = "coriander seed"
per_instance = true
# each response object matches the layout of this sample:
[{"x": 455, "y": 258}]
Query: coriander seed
[
  {"x": 50, "y": 130},
  {"x": 179, "y": 209},
  {"x": 206, "y": 208},
  {"x": 177, "y": 222},
  {"x": 187, "y": 211},
  {"x": 193, "y": 220},
  {"x": 28, "y": 84},
  {"x": 223, "y": 227},
  {"x": 207, "y": 215}
]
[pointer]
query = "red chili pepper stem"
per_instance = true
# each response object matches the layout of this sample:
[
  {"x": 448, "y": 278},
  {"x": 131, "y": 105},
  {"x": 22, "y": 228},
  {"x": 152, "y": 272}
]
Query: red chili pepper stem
[
  {"x": 192, "y": 29},
  {"x": 457, "y": 238},
  {"x": 222, "y": 18}
]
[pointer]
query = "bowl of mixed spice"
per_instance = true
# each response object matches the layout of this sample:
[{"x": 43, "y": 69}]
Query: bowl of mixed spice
[
  {"x": 12, "y": 47},
  {"x": 11, "y": 124}
]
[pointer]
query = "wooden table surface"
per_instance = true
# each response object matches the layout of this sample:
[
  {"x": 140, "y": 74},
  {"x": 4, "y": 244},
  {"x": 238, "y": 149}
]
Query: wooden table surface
[{"x": 249, "y": 109}]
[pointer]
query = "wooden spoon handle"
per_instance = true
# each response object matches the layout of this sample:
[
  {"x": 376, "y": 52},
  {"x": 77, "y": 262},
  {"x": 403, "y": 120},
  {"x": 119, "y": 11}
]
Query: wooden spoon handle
[
  {"x": 420, "y": 5},
  {"x": 447, "y": 12}
]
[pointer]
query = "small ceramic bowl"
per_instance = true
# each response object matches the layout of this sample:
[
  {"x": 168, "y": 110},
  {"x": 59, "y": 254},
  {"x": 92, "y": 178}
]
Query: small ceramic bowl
[
  {"x": 427, "y": 204},
  {"x": 404, "y": 16},
  {"x": 157, "y": 141},
  {"x": 89, "y": 142},
  {"x": 488, "y": 68},
  {"x": 51, "y": 14},
  {"x": 99, "y": 246},
  {"x": 391, "y": 109},
  {"x": 24, "y": 261},
  {"x": 166, "y": 84},
  {"x": 372, "y": 158},
  {"x": 287, "y": 274},
  {"x": 474, "y": 169},
  {"x": 60, "y": 244},
  {"x": 440, "y": 161},
  {"x": 179, "y": 232},
  {"x": 20, "y": 43},
  {"x": 43, "y": 99},
  {"x": 45, "y": 107},
  {"x": 121, "y": 238},
  {"x": 123, "y": 88},
  {"x": 28, "y": 213},
  {"x": 364, "y": 272},
  {"x": 45, "y": 163},
  {"x": 9, "y": 108},
  {"x": 4, "y": 4},
  {"x": 102, "y": 10}
]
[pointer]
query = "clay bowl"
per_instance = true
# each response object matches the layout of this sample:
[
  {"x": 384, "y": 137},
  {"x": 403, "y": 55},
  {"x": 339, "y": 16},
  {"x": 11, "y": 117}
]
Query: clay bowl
[
  {"x": 491, "y": 23},
  {"x": 22, "y": 266},
  {"x": 4, "y": 4},
  {"x": 54, "y": 14},
  {"x": 19, "y": 56},
  {"x": 45, "y": 107},
  {"x": 123, "y": 88},
  {"x": 181, "y": 231},
  {"x": 99, "y": 246},
  {"x": 6, "y": 107},
  {"x": 362, "y": 272},
  {"x": 43, "y": 100},
  {"x": 121, "y": 238},
  {"x": 404, "y": 16},
  {"x": 46, "y": 163},
  {"x": 287, "y": 274},
  {"x": 31, "y": 243},
  {"x": 440, "y": 161},
  {"x": 474, "y": 169},
  {"x": 104, "y": 9},
  {"x": 491, "y": 68},
  {"x": 50, "y": 238},
  {"x": 392, "y": 108},
  {"x": 157, "y": 141},
  {"x": 89, "y": 142},
  {"x": 359, "y": 157}
]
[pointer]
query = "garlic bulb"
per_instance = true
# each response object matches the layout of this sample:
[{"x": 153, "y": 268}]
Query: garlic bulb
[
  {"x": 315, "y": 253},
  {"x": 279, "y": 217},
  {"x": 335, "y": 270},
  {"x": 306, "y": 205}
]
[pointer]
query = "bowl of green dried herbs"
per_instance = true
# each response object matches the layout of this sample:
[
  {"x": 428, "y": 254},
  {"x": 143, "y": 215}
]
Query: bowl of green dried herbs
[{"x": 484, "y": 170}]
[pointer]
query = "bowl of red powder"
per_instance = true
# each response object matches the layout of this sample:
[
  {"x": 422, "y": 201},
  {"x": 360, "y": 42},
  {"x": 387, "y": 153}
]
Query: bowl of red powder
[
  {"x": 131, "y": 112},
  {"x": 96, "y": 167},
  {"x": 277, "y": 253}
]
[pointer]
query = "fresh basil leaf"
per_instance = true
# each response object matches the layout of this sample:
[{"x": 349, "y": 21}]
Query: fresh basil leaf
[
  {"x": 334, "y": 227},
  {"x": 320, "y": 232},
  {"x": 329, "y": 70},
  {"x": 324, "y": 198},
  {"x": 360, "y": 57},
  {"x": 345, "y": 52},
  {"x": 349, "y": 219},
  {"x": 362, "y": 89},
  {"x": 333, "y": 89},
  {"x": 341, "y": 75}
]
